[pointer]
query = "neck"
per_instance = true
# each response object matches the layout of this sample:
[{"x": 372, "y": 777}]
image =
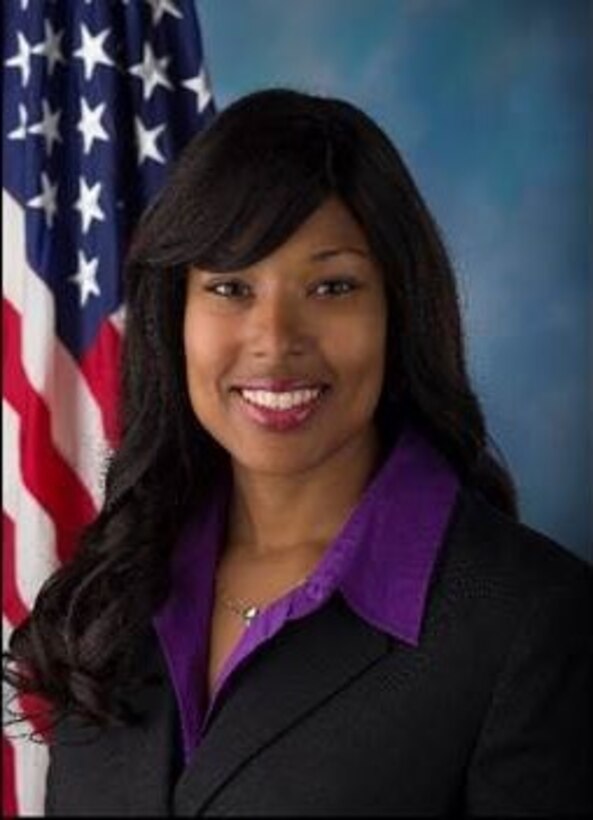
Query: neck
[{"x": 277, "y": 516}]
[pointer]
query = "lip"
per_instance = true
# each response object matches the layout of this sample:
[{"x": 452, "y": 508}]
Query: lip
[
  {"x": 279, "y": 385},
  {"x": 277, "y": 420}
]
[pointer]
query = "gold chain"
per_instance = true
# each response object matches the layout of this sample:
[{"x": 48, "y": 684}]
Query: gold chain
[{"x": 247, "y": 612}]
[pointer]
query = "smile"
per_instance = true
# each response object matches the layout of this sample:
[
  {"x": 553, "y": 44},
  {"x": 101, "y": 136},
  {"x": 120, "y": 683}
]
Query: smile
[
  {"x": 280, "y": 411},
  {"x": 281, "y": 400}
]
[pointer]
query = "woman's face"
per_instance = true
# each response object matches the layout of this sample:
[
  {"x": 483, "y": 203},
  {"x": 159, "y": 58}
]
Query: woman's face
[{"x": 285, "y": 358}]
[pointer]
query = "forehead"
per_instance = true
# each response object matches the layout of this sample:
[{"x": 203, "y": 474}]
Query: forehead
[{"x": 330, "y": 226}]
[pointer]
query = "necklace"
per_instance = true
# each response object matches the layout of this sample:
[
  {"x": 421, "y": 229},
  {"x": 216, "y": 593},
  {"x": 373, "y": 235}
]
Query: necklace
[{"x": 247, "y": 612}]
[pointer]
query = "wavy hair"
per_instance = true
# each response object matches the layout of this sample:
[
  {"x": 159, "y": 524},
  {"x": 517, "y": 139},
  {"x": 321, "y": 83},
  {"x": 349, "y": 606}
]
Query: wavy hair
[{"x": 240, "y": 188}]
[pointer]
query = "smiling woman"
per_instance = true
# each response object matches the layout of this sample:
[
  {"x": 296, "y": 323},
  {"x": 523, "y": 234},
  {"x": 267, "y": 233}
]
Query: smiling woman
[{"x": 307, "y": 592}]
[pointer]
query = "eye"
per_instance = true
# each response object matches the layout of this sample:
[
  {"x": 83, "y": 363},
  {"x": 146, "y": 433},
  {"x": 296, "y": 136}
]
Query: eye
[
  {"x": 336, "y": 287},
  {"x": 229, "y": 289}
]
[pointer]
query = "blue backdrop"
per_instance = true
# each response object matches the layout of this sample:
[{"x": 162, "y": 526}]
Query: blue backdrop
[{"x": 490, "y": 104}]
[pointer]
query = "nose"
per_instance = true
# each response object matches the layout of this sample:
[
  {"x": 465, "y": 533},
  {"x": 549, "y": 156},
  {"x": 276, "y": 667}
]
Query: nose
[{"x": 278, "y": 328}]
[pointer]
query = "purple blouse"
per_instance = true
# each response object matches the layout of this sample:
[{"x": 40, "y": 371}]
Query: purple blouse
[{"x": 381, "y": 562}]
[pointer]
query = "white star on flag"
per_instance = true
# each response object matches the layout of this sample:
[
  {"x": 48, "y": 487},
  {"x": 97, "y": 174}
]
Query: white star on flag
[
  {"x": 86, "y": 278},
  {"x": 160, "y": 7},
  {"x": 90, "y": 124},
  {"x": 146, "y": 140},
  {"x": 88, "y": 204},
  {"x": 22, "y": 59},
  {"x": 46, "y": 199},
  {"x": 20, "y": 132},
  {"x": 50, "y": 47},
  {"x": 201, "y": 88},
  {"x": 151, "y": 71},
  {"x": 91, "y": 51},
  {"x": 47, "y": 127}
]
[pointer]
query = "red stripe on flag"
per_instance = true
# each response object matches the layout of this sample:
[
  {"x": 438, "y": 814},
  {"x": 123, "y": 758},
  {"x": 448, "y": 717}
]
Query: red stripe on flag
[
  {"x": 9, "y": 801},
  {"x": 13, "y": 605},
  {"x": 45, "y": 473},
  {"x": 100, "y": 367}
]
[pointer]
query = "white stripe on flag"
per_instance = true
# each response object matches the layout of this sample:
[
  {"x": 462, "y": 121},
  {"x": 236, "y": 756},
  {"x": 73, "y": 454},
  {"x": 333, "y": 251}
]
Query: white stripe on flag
[
  {"x": 34, "y": 532},
  {"x": 48, "y": 365}
]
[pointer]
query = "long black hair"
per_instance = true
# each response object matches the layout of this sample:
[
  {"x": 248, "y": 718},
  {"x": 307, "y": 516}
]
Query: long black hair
[{"x": 239, "y": 190}]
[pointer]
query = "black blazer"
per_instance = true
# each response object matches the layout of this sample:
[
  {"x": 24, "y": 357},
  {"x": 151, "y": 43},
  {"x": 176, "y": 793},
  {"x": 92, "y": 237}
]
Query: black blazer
[{"x": 489, "y": 715}]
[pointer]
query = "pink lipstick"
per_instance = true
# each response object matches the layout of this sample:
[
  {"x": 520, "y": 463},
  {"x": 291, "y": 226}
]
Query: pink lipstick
[{"x": 280, "y": 405}]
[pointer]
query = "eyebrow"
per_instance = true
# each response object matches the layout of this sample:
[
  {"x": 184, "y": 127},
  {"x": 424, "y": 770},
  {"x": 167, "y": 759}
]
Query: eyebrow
[{"x": 328, "y": 253}]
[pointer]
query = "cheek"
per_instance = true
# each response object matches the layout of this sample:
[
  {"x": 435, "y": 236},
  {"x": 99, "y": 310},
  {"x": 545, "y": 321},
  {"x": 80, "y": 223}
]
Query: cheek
[
  {"x": 367, "y": 339},
  {"x": 358, "y": 354},
  {"x": 368, "y": 359},
  {"x": 208, "y": 352}
]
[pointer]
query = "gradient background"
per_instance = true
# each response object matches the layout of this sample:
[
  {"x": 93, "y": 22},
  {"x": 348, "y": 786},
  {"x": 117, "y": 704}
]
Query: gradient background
[{"x": 490, "y": 103}]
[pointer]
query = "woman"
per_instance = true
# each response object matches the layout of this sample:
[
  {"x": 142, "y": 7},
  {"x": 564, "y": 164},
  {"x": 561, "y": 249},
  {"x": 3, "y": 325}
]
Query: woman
[{"x": 307, "y": 591}]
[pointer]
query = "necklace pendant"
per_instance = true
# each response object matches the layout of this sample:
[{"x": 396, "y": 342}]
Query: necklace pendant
[{"x": 249, "y": 613}]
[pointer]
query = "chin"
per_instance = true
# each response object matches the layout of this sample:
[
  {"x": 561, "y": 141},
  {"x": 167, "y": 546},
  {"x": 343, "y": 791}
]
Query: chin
[{"x": 283, "y": 460}]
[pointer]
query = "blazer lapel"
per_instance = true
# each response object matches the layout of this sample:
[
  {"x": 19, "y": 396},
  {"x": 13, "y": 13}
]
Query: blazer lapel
[{"x": 307, "y": 662}]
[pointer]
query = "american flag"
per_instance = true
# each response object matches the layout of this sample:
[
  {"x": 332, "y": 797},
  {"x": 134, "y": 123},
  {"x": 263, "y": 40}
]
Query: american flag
[{"x": 99, "y": 96}]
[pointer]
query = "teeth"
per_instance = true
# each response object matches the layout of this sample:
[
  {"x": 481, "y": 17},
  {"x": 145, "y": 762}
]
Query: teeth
[{"x": 281, "y": 401}]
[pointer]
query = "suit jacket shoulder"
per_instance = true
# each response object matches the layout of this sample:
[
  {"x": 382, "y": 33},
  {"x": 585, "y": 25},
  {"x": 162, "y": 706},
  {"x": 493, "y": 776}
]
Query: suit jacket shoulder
[
  {"x": 531, "y": 609},
  {"x": 487, "y": 550}
]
